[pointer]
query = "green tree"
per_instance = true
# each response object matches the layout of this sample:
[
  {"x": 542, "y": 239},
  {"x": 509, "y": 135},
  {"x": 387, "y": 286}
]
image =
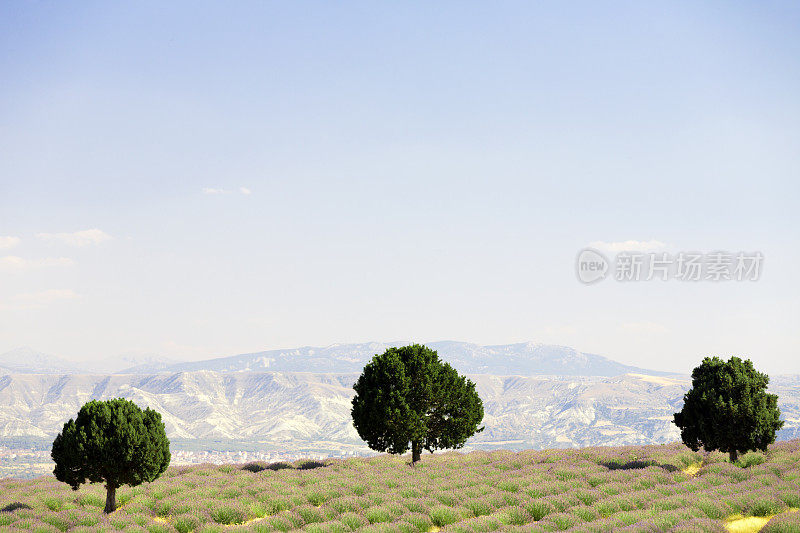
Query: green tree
[
  {"x": 728, "y": 408},
  {"x": 408, "y": 398},
  {"x": 112, "y": 442}
]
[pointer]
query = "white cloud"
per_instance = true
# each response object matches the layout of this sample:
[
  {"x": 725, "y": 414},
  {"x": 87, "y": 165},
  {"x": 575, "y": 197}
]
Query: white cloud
[
  {"x": 78, "y": 238},
  {"x": 628, "y": 246},
  {"x": 215, "y": 190},
  {"x": 13, "y": 262},
  {"x": 644, "y": 327},
  {"x": 49, "y": 295},
  {"x": 54, "y": 261},
  {"x": 559, "y": 330},
  {"x": 40, "y": 299},
  {"x": 186, "y": 352},
  {"x": 8, "y": 242}
]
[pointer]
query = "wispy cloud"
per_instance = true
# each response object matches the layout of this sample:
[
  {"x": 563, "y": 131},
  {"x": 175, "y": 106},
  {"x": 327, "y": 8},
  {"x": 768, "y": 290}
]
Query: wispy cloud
[
  {"x": 185, "y": 351},
  {"x": 86, "y": 237},
  {"x": 13, "y": 262},
  {"x": 628, "y": 246},
  {"x": 40, "y": 299},
  {"x": 8, "y": 242},
  {"x": 644, "y": 327},
  {"x": 216, "y": 190},
  {"x": 559, "y": 330}
]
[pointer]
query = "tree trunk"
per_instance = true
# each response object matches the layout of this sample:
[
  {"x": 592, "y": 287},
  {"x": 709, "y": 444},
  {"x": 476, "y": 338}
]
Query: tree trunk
[
  {"x": 111, "y": 499},
  {"x": 733, "y": 455},
  {"x": 416, "y": 451}
]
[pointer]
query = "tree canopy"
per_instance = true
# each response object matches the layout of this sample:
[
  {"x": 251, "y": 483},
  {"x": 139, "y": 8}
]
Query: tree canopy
[
  {"x": 112, "y": 442},
  {"x": 408, "y": 398},
  {"x": 728, "y": 408}
]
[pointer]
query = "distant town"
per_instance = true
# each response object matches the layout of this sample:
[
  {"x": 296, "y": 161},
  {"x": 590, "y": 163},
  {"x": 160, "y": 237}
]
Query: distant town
[{"x": 32, "y": 461}]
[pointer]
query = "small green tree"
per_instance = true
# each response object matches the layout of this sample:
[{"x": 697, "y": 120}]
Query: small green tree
[
  {"x": 406, "y": 397},
  {"x": 112, "y": 442},
  {"x": 728, "y": 408}
]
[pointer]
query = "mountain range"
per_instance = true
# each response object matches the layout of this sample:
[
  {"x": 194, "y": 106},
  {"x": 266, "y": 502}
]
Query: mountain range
[
  {"x": 534, "y": 396},
  {"x": 28, "y": 361},
  {"x": 304, "y": 407},
  {"x": 525, "y": 359}
]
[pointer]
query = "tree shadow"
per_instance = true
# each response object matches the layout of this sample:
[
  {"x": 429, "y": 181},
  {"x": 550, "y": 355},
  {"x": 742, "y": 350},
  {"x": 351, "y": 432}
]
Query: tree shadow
[
  {"x": 637, "y": 464},
  {"x": 11, "y": 507},
  {"x": 259, "y": 466},
  {"x": 310, "y": 465}
]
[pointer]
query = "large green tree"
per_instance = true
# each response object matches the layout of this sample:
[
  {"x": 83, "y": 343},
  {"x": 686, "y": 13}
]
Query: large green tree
[
  {"x": 408, "y": 398},
  {"x": 112, "y": 442},
  {"x": 728, "y": 408}
]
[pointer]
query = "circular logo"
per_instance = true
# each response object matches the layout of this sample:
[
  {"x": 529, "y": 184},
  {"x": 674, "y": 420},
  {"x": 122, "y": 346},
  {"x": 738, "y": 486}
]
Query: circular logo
[{"x": 591, "y": 266}]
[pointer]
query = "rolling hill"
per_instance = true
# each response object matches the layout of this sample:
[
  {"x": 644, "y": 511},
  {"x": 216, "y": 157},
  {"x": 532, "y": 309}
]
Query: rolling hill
[
  {"x": 302, "y": 407},
  {"x": 534, "y": 395},
  {"x": 526, "y": 359}
]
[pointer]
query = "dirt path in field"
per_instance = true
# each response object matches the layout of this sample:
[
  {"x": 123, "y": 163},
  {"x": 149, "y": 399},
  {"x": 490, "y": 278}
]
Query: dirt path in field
[
  {"x": 251, "y": 521},
  {"x": 692, "y": 470},
  {"x": 750, "y": 524}
]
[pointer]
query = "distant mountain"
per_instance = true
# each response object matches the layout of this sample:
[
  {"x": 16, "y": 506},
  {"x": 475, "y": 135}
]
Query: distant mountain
[
  {"x": 136, "y": 363},
  {"x": 301, "y": 408},
  {"x": 524, "y": 359},
  {"x": 28, "y": 361},
  {"x": 304, "y": 407}
]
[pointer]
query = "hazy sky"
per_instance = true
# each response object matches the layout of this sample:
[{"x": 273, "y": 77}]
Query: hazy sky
[{"x": 205, "y": 179}]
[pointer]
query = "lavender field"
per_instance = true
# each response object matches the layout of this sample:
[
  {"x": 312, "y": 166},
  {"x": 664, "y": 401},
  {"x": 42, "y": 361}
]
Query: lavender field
[{"x": 647, "y": 488}]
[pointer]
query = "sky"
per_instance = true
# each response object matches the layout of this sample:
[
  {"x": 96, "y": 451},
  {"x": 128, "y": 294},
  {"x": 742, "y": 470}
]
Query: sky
[{"x": 201, "y": 179}]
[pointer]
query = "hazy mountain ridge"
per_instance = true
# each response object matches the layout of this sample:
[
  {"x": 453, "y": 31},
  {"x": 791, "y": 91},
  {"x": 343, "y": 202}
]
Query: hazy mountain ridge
[
  {"x": 510, "y": 359},
  {"x": 535, "y": 395},
  {"x": 27, "y": 360},
  {"x": 297, "y": 407}
]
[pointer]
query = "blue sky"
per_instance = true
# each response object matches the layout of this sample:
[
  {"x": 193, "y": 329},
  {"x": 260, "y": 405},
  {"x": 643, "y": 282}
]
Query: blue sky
[{"x": 202, "y": 179}]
